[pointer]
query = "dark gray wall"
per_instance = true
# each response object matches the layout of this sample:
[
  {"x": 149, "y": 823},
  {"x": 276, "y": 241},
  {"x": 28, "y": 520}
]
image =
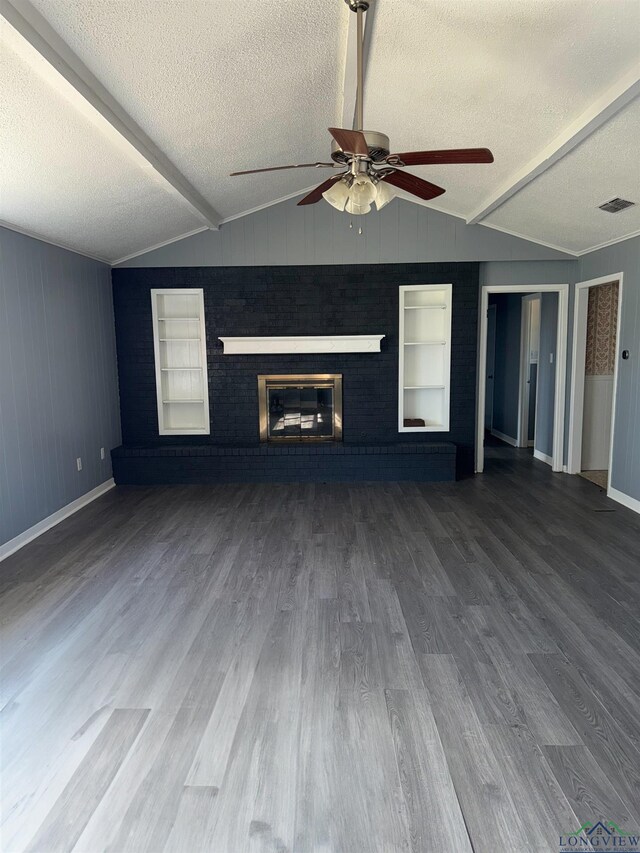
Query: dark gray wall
[
  {"x": 506, "y": 384},
  {"x": 58, "y": 379},
  {"x": 623, "y": 257}
]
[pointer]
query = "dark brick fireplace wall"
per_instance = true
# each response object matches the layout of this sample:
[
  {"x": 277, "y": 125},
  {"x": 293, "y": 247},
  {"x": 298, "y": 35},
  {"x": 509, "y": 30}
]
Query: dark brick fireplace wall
[{"x": 288, "y": 300}]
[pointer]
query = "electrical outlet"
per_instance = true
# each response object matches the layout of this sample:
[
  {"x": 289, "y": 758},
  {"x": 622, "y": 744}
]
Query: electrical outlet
[
  {"x": 79, "y": 463},
  {"x": 102, "y": 453}
]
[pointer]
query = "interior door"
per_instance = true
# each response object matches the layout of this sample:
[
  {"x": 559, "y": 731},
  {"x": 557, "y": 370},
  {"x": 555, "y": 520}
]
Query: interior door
[{"x": 491, "y": 363}]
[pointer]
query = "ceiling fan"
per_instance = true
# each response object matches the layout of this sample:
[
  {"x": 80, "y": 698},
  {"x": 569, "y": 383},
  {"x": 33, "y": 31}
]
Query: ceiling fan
[{"x": 371, "y": 171}]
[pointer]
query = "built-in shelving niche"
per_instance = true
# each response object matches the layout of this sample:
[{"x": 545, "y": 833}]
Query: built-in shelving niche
[
  {"x": 181, "y": 361},
  {"x": 424, "y": 358}
]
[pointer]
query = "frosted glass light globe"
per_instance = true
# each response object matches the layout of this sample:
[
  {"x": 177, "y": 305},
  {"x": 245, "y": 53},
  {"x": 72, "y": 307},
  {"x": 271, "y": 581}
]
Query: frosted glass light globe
[
  {"x": 337, "y": 195},
  {"x": 357, "y": 209},
  {"x": 363, "y": 191},
  {"x": 384, "y": 195}
]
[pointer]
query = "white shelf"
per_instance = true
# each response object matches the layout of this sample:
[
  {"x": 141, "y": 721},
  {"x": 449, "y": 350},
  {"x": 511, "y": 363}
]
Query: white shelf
[
  {"x": 424, "y": 357},
  {"x": 425, "y": 307},
  {"x": 430, "y": 428},
  {"x": 181, "y": 370},
  {"x": 301, "y": 344}
]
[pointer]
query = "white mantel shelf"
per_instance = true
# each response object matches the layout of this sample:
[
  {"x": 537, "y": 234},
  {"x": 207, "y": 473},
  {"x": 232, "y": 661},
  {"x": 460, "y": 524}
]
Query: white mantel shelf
[{"x": 302, "y": 343}]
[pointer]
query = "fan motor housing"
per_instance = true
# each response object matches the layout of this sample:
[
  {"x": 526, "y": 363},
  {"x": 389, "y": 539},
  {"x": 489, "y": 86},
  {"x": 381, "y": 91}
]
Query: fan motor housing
[{"x": 378, "y": 144}]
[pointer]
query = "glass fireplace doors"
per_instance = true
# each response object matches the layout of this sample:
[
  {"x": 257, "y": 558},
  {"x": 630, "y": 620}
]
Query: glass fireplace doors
[{"x": 300, "y": 407}]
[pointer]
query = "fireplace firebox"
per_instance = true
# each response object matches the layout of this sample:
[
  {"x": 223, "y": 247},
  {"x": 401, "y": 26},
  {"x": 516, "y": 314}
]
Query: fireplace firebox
[{"x": 303, "y": 407}]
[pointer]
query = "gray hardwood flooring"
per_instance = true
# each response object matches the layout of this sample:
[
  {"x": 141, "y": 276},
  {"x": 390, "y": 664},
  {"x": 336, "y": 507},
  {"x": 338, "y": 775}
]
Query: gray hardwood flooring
[{"x": 327, "y": 668}]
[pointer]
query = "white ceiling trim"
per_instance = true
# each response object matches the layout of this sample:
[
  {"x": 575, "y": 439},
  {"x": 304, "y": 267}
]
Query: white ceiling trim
[
  {"x": 438, "y": 209},
  {"x": 36, "y": 236},
  {"x": 162, "y": 244},
  {"x": 608, "y": 243},
  {"x": 570, "y": 252},
  {"x": 599, "y": 112},
  {"x": 269, "y": 203},
  {"x": 416, "y": 201},
  {"x": 37, "y": 32},
  {"x": 220, "y": 224},
  {"x": 530, "y": 239},
  {"x": 432, "y": 206}
]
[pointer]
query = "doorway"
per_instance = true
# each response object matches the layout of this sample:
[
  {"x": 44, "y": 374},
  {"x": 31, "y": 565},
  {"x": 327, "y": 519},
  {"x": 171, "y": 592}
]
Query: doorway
[
  {"x": 513, "y": 342},
  {"x": 594, "y": 377},
  {"x": 529, "y": 358},
  {"x": 557, "y": 358}
]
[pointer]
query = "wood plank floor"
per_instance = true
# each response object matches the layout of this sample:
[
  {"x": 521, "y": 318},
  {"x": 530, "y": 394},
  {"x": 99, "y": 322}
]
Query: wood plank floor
[{"x": 336, "y": 668}]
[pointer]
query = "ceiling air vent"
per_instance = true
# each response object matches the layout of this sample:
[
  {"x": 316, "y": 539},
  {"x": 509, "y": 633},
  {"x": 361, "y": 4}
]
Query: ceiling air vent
[{"x": 616, "y": 205}]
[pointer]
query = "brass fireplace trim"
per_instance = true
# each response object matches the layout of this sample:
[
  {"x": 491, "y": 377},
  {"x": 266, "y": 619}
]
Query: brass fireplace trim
[{"x": 303, "y": 380}]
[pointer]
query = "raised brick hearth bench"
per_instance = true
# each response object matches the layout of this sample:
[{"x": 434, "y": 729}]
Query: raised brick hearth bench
[{"x": 283, "y": 463}]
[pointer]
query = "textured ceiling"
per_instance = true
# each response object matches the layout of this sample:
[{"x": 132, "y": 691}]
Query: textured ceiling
[
  {"x": 220, "y": 85},
  {"x": 502, "y": 74},
  {"x": 63, "y": 178},
  {"x": 562, "y": 206}
]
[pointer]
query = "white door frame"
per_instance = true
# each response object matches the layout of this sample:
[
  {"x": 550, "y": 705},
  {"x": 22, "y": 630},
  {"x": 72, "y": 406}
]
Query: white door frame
[
  {"x": 578, "y": 354},
  {"x": 561, "y": 364},
  {"x": 525, "y": 370}
]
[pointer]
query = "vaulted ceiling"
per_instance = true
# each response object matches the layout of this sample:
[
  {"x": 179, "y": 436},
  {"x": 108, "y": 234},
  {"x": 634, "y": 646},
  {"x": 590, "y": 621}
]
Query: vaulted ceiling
[{"x": 121, "y": 119}]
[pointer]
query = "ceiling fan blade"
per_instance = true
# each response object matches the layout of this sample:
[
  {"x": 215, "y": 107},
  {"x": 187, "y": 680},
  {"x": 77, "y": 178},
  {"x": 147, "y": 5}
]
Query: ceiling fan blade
[
  {"x": 414, "y": 185},
  {"x": 280, "y": 168},
  {"x": 316, "y": 194},
  {"x": 449, "y": 155},
  {"x": 351, "y": 141}
]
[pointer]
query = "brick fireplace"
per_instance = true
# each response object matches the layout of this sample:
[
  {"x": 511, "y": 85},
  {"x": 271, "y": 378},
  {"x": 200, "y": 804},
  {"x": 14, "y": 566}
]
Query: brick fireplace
[{"x": 288, "y": 301}]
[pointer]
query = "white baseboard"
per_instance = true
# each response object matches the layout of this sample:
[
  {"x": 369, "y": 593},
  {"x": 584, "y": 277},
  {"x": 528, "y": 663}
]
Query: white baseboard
[
  {"x": 625, "y": 500},
  {"x": 497, "y": 434},
  {"x": 538, "y": 454},
  {"x": 50, "y": 521}
]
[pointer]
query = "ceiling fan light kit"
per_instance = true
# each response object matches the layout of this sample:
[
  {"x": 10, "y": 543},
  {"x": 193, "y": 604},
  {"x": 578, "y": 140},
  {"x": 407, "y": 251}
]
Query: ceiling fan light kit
[
  {"x": 356, "y": 193},
  {"x": 372, "y": 171}
]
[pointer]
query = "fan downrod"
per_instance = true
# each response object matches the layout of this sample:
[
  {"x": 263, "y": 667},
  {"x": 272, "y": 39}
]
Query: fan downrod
[{"x": 357, "y": 5}]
